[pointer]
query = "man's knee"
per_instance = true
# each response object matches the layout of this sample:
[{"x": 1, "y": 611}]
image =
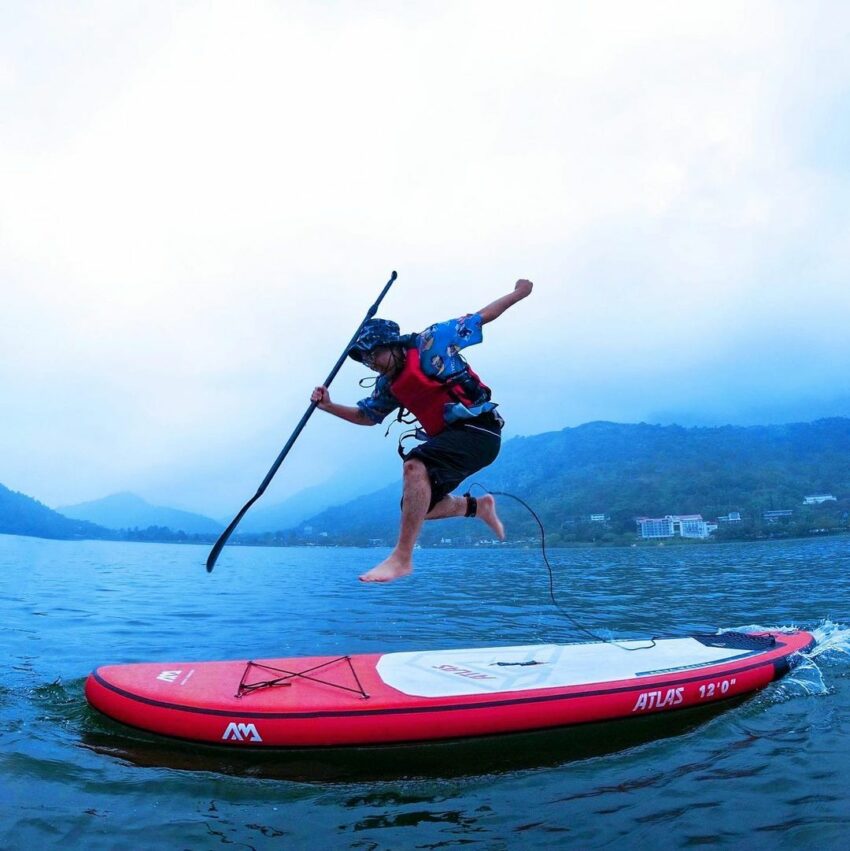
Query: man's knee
[
  {"x": 414, "y": 470},
  {"x": 416, "y": 480}
]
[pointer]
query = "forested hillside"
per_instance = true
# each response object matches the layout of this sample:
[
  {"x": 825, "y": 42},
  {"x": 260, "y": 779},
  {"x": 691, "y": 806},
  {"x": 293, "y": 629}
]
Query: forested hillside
[
  {"x": 628, "y": 471},
  {"x": 22, "y": 515}
]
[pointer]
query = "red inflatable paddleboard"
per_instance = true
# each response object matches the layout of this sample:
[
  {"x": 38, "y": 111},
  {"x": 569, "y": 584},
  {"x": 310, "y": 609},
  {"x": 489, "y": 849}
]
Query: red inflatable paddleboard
[{"x": 436, "y": 694}]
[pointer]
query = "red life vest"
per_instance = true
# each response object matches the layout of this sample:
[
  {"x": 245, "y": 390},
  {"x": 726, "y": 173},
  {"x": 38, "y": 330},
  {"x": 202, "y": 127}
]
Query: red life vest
[{"x": 427, "y": 397}]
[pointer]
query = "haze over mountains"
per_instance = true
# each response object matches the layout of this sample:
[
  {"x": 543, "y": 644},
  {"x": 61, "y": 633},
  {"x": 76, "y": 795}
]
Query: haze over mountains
[
  {"x": 311, "y": 501},
  {"x": 128, "y": 511}
]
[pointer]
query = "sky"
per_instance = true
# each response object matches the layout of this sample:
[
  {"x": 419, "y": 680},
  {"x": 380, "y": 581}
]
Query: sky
[{"x": 199, "y": 202}]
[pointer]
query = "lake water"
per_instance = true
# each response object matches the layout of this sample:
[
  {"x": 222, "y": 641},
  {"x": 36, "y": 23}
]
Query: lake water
[{"x": 767, "y": 772}]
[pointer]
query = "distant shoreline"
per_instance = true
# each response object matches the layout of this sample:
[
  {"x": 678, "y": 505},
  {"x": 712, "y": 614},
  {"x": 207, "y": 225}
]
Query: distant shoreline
[{"x": 507, "y": 545}]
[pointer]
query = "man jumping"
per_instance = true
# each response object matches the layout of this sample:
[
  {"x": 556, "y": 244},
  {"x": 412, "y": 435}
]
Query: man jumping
[{"x": 426, "y": 374}]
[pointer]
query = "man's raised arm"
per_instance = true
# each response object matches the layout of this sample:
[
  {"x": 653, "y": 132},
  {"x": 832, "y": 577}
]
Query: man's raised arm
[{"x": 495, "y": 309}]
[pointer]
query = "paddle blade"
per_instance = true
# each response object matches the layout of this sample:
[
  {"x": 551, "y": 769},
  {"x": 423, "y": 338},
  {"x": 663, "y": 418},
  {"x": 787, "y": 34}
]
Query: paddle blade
[{"x": 218, "y": 546}]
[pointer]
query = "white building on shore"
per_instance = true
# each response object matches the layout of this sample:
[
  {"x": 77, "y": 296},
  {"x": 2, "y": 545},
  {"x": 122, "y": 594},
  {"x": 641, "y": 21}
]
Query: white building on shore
[
  {"x": 675, "y": 526},
  {"x": 818, "y": 498}
]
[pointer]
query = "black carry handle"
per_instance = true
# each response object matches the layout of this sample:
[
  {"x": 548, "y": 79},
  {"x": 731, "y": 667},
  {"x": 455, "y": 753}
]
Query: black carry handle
[{"x": 225, "y": 535}]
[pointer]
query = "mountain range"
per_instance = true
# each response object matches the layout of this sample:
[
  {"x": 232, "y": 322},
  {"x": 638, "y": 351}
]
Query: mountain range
[{"x": 615, "y": 471}]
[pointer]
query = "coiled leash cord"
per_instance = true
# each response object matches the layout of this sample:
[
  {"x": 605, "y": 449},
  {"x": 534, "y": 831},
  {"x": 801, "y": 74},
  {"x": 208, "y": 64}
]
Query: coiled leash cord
[{"x": 576, "y": 625}]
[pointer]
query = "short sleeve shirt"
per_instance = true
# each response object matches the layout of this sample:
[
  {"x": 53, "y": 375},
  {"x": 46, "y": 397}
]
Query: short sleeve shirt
[{"x": 439, "y": 354}]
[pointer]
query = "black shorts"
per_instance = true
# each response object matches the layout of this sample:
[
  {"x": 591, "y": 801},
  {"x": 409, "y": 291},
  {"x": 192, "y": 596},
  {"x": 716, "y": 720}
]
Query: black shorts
[{"x": 458, "y": 451}]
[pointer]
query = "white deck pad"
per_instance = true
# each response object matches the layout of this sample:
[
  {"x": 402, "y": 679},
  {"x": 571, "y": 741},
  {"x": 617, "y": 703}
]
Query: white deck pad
[{"x": 450, "y": 673}]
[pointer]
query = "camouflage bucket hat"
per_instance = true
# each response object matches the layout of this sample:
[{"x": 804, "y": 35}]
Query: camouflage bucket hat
[{"x": 375, "y": 332}]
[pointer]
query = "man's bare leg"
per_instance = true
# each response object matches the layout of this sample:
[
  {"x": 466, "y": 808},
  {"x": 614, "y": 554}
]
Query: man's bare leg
[
  {"x": 455, "y": 506},
  {"x": 417, "y": 496}
]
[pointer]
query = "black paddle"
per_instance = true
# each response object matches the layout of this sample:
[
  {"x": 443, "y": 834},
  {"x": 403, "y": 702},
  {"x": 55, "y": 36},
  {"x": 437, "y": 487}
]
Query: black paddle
[{"x": 219, "y": 544}]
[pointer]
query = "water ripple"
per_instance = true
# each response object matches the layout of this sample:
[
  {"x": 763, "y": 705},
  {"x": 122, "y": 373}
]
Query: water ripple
[{"x": 771, "y": 769}]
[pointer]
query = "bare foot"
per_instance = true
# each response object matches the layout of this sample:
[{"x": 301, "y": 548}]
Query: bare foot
[
  {"x": 392, "y": 567},
  {"x": 487, "y": 512}
]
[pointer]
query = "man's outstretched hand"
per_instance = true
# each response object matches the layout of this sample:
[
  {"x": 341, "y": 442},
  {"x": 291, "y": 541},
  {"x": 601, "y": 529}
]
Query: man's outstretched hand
[{"x": 523, "y": 288}]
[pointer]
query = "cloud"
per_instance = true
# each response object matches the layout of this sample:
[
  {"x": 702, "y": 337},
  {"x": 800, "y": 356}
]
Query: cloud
[{"x": 199, "y": 203}]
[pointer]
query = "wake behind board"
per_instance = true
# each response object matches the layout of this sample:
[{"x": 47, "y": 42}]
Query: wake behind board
[{"x": 437, "y": 694}]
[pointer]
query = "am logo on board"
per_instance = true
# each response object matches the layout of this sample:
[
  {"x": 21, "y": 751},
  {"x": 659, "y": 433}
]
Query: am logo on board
[{"x": 241, "y": 733}]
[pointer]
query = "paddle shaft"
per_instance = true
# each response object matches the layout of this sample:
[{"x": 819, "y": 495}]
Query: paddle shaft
[{"x": 225, "y": 535}]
